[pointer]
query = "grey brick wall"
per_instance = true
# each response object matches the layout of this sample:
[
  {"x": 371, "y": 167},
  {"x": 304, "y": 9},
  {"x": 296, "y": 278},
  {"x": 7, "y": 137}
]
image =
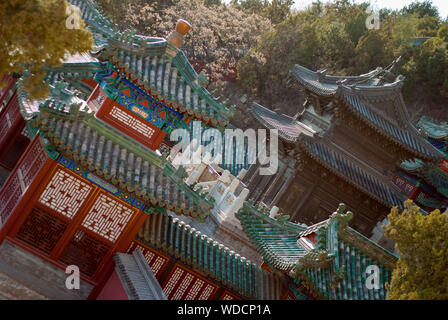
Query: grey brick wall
[{"x": 28, "y": 273}]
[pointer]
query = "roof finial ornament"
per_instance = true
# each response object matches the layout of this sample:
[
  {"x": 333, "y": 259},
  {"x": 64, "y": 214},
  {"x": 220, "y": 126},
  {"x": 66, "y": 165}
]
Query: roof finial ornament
[
  {"x": 177, "y": 37},
  {"x": 321, "y": 74}
]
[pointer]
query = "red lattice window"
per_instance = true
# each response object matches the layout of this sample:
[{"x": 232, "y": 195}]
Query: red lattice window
[
  {"x": 9, "y": 197},
  {"x": 207, "y": 292},
  {"x": 85, "y": 252},
  {"x": 65, "y": 193},
  {"x": 9, "y": 118},
  {"x": 108, "y": 217},
  {"x": 157, "y": 262},
  {"x": 32, "y": 162},
  {"x": 228, "y": 296},
  {"x": 42, "y": 230},
  {"x": 185, "y": 285},
  {"x": 195, "y": 289},
  {"x": 29, "y": 167}
]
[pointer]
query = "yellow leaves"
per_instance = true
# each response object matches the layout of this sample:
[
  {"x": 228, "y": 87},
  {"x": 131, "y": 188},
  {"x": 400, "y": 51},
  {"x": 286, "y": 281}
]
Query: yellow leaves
[
  {"x": 422, "y": 242},
  {"x": 33, "y": 35}
]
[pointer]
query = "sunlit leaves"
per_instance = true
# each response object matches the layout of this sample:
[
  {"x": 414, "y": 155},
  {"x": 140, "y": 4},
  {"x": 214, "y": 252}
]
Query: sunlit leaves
[
  {"x": 422, "y": 242},
  {"x": 33, "y": 34}
]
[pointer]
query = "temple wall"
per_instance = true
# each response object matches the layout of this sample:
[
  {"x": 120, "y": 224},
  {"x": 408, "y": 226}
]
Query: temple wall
[
  {"x": 364, "y": 149},
  {"x": 38, "y": 275},
  {"x": 312, "y": 197},
  {"x": 113, "y": 289}
]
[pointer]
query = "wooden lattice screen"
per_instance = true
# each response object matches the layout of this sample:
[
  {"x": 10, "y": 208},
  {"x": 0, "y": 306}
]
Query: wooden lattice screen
[
  {"x": 20, "y": 179},
  {"x": 75, "y": 222}
]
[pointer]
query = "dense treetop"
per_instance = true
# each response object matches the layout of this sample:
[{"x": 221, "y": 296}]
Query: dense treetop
[
  {"x": 422, "y": 242},
  {"x": 335, "y": 37}
]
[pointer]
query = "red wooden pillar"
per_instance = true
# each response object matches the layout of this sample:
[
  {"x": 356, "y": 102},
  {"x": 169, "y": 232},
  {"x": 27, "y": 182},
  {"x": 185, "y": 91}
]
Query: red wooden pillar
[{"x": 4, "y": 92}]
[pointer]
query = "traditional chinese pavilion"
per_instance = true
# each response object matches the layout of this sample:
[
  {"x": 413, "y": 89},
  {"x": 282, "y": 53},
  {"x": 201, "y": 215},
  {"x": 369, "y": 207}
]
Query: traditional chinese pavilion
[{"x": 346, "y": 145}]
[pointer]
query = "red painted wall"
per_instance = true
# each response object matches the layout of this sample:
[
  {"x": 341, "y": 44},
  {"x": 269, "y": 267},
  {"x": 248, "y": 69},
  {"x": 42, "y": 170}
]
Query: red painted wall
[{"x": 113, "y": 289}]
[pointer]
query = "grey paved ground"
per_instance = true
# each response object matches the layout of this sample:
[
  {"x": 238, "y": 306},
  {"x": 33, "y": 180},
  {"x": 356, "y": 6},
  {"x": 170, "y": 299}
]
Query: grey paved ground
[{"x": 10, "y": 289}]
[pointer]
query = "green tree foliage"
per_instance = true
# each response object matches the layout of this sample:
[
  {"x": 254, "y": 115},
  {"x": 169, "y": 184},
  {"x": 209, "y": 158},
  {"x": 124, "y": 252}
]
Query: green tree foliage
[
  {"x": 334, "y": 36},
  {"x": 33, "y": 34},
  {"x": 422, "y": 242},
  {"x": 274, "y": 10},
  {"x": 319, "y": 37},
  {"x": 422, "y": 9},
  {"x": 219, "y": 37},
  {"x": 427, "y": 68}
]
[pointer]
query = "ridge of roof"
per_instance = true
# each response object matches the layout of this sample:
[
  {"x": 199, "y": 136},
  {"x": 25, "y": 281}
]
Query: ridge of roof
[
  {"x": 406, "y": 137},
  {"x": 327, "y": 85},
  {"x": 137, "y": 277},
  {"x": 288, "y": 128},
  {"x": 191, "y": 247}
]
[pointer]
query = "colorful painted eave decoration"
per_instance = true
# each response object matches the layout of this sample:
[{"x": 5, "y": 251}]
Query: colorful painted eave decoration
[
  {"x": 138, "y": 101},
  {"x": 101, "y": 183},
  {"x": 208, "y": 109},
  {"x": 185, "y": 201},
  {"x": 123, "y": 49}
]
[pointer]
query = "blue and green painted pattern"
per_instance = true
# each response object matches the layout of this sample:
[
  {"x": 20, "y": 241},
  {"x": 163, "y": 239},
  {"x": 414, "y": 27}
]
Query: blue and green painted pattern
[{"x": 126, "y": 197}]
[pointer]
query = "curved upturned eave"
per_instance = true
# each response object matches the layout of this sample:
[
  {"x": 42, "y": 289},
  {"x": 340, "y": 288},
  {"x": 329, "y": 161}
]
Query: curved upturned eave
[
  {"x": 276, "y": 242},
  {"x": 407, "y": 139},
  {"x": 392, "y": 201},
  {"x": 257, "y": 109},
  {"x": 326, "y": 85},
  {"x": 438, "y": 131}
]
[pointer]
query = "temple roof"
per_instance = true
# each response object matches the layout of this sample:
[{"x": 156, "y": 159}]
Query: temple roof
[
  {"x": 435, "y": 177},
  {"x": 434, "y": 129},
  {"x": 329, "y": 156},
  {"x": 137, "y": 278},
  {"x": 332, "y": 264},
  {"x": 432, "y": 174},
  {"x": 68, "y": 126},
  {"x": 368, "y": 104},
  {"x": 189, "y": 246},
  {"x": 276, "y": 242},
  {"x": 326, "y": 85},
  {"x": 375, "y": 98},
  {"x": 156, "y": 66}
]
